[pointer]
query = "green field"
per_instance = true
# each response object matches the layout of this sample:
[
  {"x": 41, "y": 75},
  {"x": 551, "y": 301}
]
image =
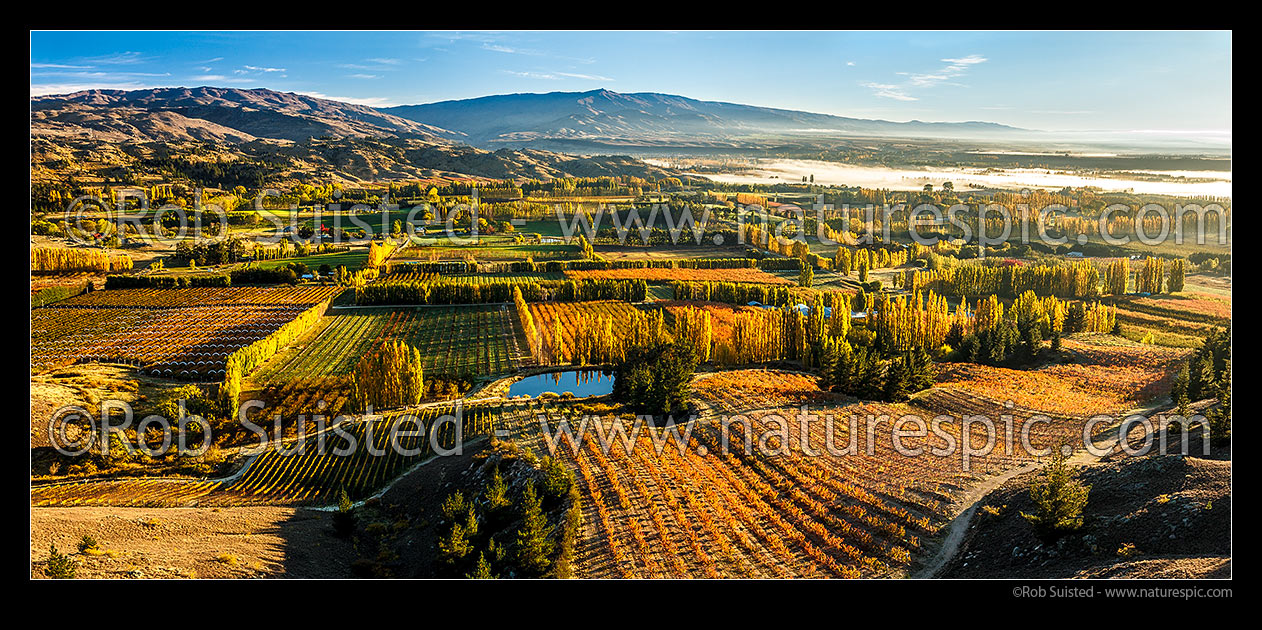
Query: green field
[
  {"x": 479, "y": 340},
  {"x": 352, "y": 260},
  {"x": 491, "y": 248}
]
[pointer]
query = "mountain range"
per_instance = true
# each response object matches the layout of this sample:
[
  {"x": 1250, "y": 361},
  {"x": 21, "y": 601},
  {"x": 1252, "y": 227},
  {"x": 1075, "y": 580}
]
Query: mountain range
[
  {"x": 518, "y": 120},
  {"x": 214, "y": 114},
  {"x": 652, "y": 119},
  {"x": 115, "y": 135}
]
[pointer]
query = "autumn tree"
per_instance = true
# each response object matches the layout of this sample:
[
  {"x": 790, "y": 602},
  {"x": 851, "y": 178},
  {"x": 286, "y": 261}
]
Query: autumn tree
[
  {"x": 389, "y": 376},
  {"x": 1174, "y": 284}
]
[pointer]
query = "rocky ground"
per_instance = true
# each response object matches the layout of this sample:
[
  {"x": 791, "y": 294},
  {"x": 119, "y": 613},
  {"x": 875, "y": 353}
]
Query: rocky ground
[{"x": 1166, "y": 516}]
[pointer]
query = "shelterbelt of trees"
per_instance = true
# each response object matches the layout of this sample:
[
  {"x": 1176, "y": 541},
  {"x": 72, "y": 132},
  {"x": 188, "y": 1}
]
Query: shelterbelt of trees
[
  {"x": 1079, "y": 279},
  {"x": 766, "y": 264},
  {"x": 431, "y": 289},
  {"x": 68, "y": 260}
]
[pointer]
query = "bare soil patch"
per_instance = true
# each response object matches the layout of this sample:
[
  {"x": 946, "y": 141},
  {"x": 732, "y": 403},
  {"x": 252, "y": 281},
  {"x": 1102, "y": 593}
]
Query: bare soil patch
[
  {"x": 1152, "y": 516},
  {"x": 192, "y": 542}
]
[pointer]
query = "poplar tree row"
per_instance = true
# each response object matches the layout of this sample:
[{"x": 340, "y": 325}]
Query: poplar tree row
[
  {"x": 389, "y": 376},
  {"x": 73, "y": 260}
]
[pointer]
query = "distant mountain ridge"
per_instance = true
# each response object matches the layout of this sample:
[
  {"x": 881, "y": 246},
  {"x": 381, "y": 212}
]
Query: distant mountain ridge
[
  {"x": 215, "y": 114},
  {"x": 103, "y": 135},
  {"x": 650, "y": 118},
  {"x": 526, "y": 120}
]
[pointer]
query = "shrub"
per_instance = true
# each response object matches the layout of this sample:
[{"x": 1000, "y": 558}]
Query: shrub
[
  {"x": 87, "y": 543},
  {"x": 60, "y": 567},
  {"x": 556, "y": 479},
  {"x": 344, "y": 517},
  {"x": 1059, "y": 499},
  {"x": 482, "y": 570}
]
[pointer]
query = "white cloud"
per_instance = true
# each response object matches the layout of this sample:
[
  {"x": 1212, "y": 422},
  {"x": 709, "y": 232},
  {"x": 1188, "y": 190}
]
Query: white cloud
[
  {"x": 556, "y": 75},
  {"x": 508, "y": 49},
  {"x": 360, "y": 75},
  {"x": 45, "y": 89},
  {"x": 886, "y": 90},
  {"x": 122, "y": 58},
  {"x": 60, "y": 66},
  {"x": 98, "y": 75},
  {"x": 586, "y": 77},
  {"x": 263, "y": 69},
  {"x": 534, "y": 75},
  {"x": 955, "y": 67},
  {"x": 374, "y": 101},
  {"x": 534, "y": 53}
]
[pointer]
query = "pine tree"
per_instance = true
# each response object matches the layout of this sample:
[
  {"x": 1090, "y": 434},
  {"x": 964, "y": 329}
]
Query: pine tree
[
  {"x": 1219, "y": 418},
  {"x": 533, "y": 545},
  {"x": 828, "y": 367},
  {"x": 1059, "y": 500},
  {"x": 481, "y": 570},
  {"x": 454, "y": 506},
  {"x": 922, "y": 372},
  {"x": 556, "y": 478},
  {"x": 496, "y": 492},
  {"x": 843, "y": 371},
  {"x": 60, "y": 566},
  {"x": 895, "y": 389},
  {"x": 1179, "y": 389},
  {"x": 453, "y": 547},
  {"x": 866, "y": 381},
  {"x": 471, "y": 522}
]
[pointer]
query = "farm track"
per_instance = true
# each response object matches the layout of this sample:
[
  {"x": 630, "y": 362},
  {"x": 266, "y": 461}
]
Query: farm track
[{"x": 959, "y": 525}]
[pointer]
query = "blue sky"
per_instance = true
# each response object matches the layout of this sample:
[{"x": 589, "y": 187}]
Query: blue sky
[{"x": 1154, "y": 81}]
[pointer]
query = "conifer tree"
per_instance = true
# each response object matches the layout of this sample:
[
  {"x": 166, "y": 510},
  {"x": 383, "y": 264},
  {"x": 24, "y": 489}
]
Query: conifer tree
[
  {"x": 482, "y": 570},
  {"x": 533, "y": 545},
  {"x": 895, "y": 389}
]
